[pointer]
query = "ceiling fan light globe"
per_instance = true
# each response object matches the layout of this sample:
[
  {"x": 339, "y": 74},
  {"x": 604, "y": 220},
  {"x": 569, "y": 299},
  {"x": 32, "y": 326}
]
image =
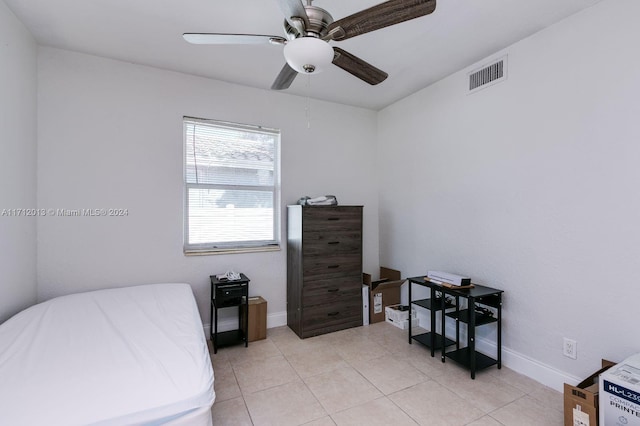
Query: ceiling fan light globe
[{"x": 308, "y": 55}]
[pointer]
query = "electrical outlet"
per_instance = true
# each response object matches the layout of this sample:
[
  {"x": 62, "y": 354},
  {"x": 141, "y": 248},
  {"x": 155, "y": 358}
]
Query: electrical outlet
[{"x": 570, "y": 348}]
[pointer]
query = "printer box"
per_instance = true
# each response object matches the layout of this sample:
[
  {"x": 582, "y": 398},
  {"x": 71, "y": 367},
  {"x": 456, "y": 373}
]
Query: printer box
[
  {"x": 581, "y": 401},
  {"x": 620, "y": 393},
  {"x": 398, "y": 316},
  {"x": 383, "y": 292}
]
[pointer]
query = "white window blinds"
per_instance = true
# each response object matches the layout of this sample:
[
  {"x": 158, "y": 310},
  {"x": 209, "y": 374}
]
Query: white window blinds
[{"x": 231, "y": 186}]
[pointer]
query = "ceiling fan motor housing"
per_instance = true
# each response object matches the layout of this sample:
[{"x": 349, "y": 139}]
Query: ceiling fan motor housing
[{"x": 319, "y": 21}]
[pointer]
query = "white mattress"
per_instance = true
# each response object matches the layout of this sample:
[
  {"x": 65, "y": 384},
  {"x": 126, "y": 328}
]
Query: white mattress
[{"x": 134, "y": 355}]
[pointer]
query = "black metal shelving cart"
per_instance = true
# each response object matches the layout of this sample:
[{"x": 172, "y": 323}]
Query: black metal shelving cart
[
  {"x": 475, "y": 307},
  {"x": 436, "y": 302},
  {"x": 229, "y": 294}
]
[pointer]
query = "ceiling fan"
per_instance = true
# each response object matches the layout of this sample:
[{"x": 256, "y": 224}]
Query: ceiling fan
[{"x": 309, "y": 29}]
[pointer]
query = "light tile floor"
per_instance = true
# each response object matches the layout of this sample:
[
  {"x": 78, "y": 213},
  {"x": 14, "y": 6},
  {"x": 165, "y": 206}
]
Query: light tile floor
[{"x": 368, "y": 375}]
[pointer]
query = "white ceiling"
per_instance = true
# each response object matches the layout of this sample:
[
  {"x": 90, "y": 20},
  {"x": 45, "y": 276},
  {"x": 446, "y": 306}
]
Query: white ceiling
[{"x": 415, "y": 53}]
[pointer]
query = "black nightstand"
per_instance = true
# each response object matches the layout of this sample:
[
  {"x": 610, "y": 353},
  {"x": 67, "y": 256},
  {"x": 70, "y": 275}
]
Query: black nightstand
[{"x": 229, "y": 294}]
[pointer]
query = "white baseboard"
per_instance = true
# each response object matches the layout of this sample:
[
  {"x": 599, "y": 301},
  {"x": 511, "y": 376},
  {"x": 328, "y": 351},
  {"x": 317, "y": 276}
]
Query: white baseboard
[
  {"x": 534, "y": 369},
  {"x": 276, "y": 319}
]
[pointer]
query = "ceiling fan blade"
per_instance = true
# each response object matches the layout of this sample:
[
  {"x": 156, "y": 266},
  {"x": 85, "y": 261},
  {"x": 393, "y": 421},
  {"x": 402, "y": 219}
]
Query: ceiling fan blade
[
  {"x": 383, "y": 15},
  {"x": 285, "y": 78},
  {"x": 294, "y": 9},
  {"x": 357, "y": 67},
  {"x": 218, "y": 38}
]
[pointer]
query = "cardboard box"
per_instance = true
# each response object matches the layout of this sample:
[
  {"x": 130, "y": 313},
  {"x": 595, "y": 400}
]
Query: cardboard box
[
  {"x": 620, "y": 393},
  {"x": 581, "y": 401},
  {"x": 257, "y": 328},
  {"x": 398, "y": 315},
  {"x": 383, "y": 292}
]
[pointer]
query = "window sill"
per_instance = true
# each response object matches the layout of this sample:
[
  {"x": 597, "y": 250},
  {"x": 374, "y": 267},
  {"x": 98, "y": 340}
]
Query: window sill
[{"x": 211, "y": 252}]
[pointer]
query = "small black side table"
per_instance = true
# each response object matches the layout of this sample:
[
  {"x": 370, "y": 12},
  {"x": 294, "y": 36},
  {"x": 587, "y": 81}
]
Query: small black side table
[{"x": 228, "y": 294}]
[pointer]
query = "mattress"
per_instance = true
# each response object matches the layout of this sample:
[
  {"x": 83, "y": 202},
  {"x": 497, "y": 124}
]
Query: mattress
[{"x": 134, "y": 355}]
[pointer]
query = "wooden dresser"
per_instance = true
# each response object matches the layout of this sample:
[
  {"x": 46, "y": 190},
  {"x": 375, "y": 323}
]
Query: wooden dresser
[{"x": 324, "y": 268}]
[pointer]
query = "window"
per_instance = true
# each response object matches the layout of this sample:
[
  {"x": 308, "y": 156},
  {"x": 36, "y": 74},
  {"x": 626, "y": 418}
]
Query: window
[{"x": 232, "y": 191}]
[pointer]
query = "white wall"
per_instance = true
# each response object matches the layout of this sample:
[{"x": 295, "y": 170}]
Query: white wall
[
  {"x": 18, "y": 68},
  {"x": 530, "y": 186},
  {"x": 110, "y": 136}
]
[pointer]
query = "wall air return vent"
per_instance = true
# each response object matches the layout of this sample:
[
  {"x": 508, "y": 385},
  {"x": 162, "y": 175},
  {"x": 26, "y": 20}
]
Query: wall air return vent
[{"x": 488, "y": 75}]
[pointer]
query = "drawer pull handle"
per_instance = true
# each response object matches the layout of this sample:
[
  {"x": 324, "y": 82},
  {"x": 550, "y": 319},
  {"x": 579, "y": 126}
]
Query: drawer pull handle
[
  {"x": 333, "y": 266},
  {"x": 333, "y": 242},
  {"x": 332, "y": 314},
  {"x": 333, "y": 218},
  {"x": 333, "y": 290}
]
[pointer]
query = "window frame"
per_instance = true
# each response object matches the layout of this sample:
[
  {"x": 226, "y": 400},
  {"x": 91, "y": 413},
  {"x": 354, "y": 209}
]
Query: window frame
[{"x": 240, "y": 246}]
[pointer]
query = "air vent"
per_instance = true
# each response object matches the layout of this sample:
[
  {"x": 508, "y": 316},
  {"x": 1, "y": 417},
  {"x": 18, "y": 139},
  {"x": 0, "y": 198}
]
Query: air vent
[{"x": 488, "y": 75}]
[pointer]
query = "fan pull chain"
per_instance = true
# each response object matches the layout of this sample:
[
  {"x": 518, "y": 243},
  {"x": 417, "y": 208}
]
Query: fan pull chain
[{"x": 308, "y": 106}]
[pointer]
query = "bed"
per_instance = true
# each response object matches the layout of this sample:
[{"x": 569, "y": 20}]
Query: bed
[{"x": 134, "y": 355}]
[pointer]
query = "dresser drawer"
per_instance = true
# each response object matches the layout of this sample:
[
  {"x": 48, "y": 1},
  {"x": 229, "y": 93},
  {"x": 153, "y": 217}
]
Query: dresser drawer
[
  {"x": 332, "y": 314},
  {"x": 323, "y": 243},
  {"x": 328, "y": 219},
  {"x": 330, "y": 291},
  {"x": 334, "y": 266}
]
